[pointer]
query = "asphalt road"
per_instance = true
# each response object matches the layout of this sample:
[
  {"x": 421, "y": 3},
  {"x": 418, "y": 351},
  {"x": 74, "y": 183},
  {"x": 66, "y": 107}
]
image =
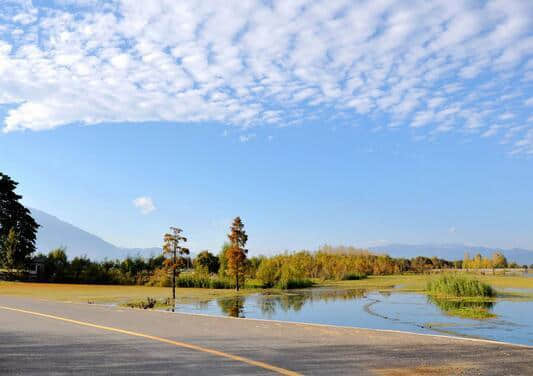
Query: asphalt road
[{"x": 45, "y": 338}]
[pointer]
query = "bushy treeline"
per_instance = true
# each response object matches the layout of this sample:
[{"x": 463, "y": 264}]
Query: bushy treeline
[
  {"x": 497, "y": 260},
  {"x": 285, "y": 271},
  {"x": 129, "y": 271},
  {"x": 337, "y": 263}
]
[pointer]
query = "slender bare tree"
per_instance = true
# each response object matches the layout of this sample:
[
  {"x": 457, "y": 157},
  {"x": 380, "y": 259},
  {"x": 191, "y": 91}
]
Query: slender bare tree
[{"x": 173, "y": 252}]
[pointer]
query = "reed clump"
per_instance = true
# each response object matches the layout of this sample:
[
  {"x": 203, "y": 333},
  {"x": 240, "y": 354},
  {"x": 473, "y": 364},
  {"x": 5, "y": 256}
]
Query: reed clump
[
  {"x": 203, "y": 281},
  {"x": 459, "y": 286},
  {"x": 353, "y": 276}
]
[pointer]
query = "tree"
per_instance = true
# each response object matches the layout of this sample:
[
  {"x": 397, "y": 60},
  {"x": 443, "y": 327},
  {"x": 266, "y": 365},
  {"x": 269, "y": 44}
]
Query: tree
[
  {"x": 9, "y": 251},
  {"x": 173, "y": 252},
  {"x": 499, "y": 260},
  {"x": 17, "y": 222},
  {"x": 223, "y": 260},
  {"x": 206, "y": 262},
  {"x": 467, "y": 261},
  {"x": 56, "y": 265},
  {"x": 236, "y": 253}
]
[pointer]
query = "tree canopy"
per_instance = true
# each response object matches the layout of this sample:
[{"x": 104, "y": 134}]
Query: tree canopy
[
  {"x": 206, "y": 262},
  {"x": 236, "y": 253},
  {"x": 18, "y": 230}
]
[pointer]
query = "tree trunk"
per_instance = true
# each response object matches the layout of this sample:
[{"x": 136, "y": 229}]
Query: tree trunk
[
  {"x": 237, "y": 280},
  {"x": 174, "y": 277}
]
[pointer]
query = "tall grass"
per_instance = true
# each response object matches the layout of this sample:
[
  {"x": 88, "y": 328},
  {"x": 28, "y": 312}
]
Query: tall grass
[
  {"x": 203, "y": 281},
  {"x": 149, "y": 303},
  {"x": 459, "y": 286},
  {"x": 353, "y": 276},
  {"x": 294, "y": 283}
]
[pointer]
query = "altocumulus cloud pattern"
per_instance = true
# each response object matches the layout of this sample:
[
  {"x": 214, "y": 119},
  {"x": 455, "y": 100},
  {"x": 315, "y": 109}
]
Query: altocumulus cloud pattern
[{"x": 429, "y": 67}]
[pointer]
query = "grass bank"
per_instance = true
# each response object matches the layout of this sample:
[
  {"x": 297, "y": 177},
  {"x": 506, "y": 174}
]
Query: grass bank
[
  {"x": 108, "y": 293},
  {"x": 121, "y": 294}
]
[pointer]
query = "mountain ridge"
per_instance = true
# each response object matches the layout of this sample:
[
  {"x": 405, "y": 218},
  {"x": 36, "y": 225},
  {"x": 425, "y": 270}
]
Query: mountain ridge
[
  {"x": 453, "y": 251},
  {"x": 55, "y": 232}
]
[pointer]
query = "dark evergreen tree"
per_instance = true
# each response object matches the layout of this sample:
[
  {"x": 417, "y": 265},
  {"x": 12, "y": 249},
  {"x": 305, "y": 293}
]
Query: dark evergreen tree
[{"x": 18, "y": 230}]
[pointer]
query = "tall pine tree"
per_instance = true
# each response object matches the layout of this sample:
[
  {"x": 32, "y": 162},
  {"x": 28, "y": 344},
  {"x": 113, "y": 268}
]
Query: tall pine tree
[
  {"x": 18, "y": 230},
  {"x": 236, "y": 254}
]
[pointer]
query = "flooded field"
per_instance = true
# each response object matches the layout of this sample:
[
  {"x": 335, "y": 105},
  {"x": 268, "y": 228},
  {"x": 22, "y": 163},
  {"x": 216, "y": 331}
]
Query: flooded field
[{"x": 376, "y": 310}]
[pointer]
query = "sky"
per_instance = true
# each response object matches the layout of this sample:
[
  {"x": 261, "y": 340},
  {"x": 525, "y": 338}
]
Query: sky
[{"x": 342, "y": 122}]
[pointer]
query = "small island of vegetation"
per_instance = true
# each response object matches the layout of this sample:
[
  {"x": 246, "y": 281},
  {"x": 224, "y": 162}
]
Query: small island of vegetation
[{"x": 462, "y": 296}]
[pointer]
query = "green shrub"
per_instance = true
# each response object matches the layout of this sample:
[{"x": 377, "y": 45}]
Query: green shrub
[
  {"x": 274, "y": 272},
  {"x": 354, "y": 276},
  {"x": 459, "y": 286},
  {"x": 149, "y": 303},
  {"x": 160, "y": 278},
  {"x": 268, "y": 273}
]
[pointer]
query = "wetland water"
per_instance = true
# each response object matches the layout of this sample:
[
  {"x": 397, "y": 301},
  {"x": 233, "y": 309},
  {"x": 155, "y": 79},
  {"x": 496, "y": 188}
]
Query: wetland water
[{"x": 375, "y": 310}]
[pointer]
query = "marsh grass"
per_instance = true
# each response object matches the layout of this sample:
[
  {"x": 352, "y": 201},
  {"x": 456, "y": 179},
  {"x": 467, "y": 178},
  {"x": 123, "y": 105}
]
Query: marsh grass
[
  {"x": 459, "y": 286},
  {"x": 468, "y": 308},
  {"x": 203, "y": 281},
  {"x": 475, "y": 313},
  {"x": 461, "y": 296},
  {"x": 294, "y": 283},
  {"x": 149, "y": 303},
  {"x": 354, "y": 276},
  {"x": 121, "y": 293}
]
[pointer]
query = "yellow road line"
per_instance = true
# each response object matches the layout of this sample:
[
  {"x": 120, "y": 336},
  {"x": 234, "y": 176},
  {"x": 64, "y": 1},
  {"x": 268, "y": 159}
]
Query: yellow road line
[{"x": 281, "y": 371}]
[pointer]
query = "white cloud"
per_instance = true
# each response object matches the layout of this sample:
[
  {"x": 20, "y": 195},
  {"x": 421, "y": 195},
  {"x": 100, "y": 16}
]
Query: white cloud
[
  {"x": 246, "y": 137},
  {"x": 416, "y": 63},
  {"x": 506, "y": 116},
  {"x": 144, "y": 204},
  {"x": 493, "y": 129}
]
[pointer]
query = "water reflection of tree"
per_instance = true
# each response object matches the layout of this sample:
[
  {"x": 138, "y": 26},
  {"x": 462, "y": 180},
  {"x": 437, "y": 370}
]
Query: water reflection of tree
[
  {"x": 201, "y": 305},
  {"x": 267, "y": 306},
  {"x": 291, "y": 301},
  {"x": 455, "y": 304},
  {"x": 294, "y": 301},
  {"x": 233, "y": 306}
]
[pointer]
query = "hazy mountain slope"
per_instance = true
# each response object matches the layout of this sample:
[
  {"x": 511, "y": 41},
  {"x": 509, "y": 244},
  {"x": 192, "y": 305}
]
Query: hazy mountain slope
[
  {"x": 453, "y": 251},
  {"x": 54, "y": 233}
]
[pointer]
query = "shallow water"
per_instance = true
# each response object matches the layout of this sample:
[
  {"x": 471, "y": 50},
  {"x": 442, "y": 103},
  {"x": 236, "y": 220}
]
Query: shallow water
[{"x": 375, "y": 310}]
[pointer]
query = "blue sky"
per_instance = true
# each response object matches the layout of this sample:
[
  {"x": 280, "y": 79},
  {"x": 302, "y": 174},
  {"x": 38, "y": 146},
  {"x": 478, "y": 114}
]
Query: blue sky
[{"x": 346, "y": 122}]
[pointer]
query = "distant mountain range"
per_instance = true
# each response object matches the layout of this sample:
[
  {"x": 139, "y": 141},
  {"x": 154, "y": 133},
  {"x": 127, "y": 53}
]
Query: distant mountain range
[
  {"x": 55, "y": 232},
  {"x": 453, "y": 251}
]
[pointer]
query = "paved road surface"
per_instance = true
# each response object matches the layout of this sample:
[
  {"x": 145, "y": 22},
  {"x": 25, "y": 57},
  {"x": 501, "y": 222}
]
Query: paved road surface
[{"x": 45, "y": 338}]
